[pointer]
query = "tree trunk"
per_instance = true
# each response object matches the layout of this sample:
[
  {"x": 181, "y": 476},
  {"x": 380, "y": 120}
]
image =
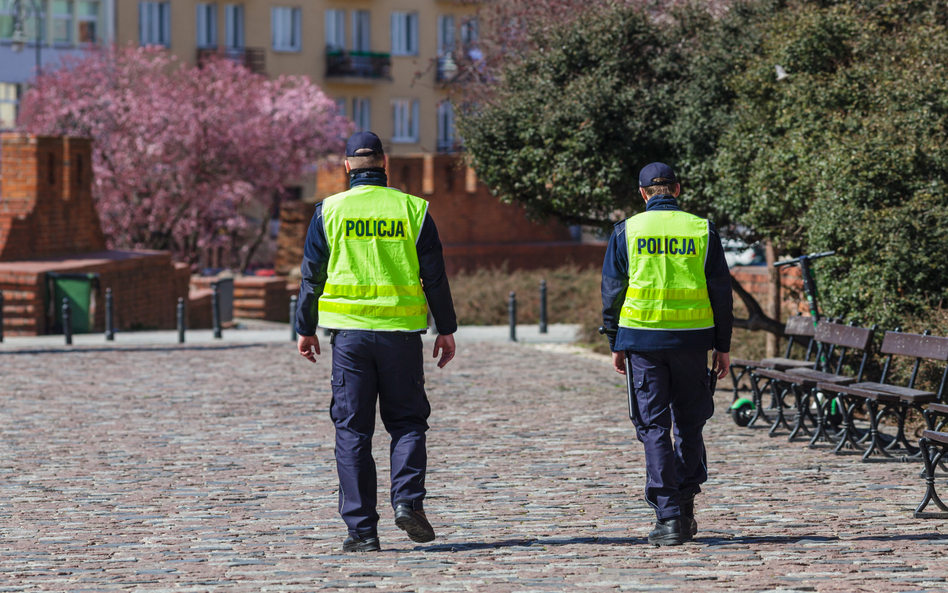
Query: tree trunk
[
  {"x": 757, "y": 320},
  {"x": 773, "y": 306}
]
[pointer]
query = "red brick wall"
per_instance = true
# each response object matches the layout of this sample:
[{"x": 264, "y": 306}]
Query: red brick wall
[
  {"x": 255, "y": 297},
  {"x": 46, "y": 207},
  {"x": 756, "y": 281}
]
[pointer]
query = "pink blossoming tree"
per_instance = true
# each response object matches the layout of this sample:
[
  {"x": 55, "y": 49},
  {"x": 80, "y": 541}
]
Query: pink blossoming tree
[{"x": 186, "y": 158}]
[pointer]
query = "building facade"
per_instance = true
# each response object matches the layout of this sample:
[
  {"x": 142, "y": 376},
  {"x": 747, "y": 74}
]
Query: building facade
[
  {"x": 50, "y": 29},
  {"x": 388, "y": 63}
]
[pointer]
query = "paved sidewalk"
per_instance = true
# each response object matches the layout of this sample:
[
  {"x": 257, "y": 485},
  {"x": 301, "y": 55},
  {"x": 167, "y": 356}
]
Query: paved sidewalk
[
  {"x": 271, "y": 333},
  {"x": 208, "y": 469}
]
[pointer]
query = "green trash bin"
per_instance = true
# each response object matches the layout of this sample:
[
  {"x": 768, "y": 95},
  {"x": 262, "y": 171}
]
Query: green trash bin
[{"x": 81, "y": 291}]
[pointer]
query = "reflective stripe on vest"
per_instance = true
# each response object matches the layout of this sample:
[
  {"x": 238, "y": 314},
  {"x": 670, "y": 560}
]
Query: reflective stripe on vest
[
  {"x": 373, "y": 278},
  {"x": 667, "y": 285}
]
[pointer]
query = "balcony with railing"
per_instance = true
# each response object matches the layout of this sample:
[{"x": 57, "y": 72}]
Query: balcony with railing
[
  {"x": 253, "y": 58},
  {"x": 359, "y": 65}
]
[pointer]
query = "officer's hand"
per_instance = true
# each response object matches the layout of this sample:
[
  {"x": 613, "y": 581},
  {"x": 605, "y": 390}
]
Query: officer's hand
[
  {"x": 446, "y": 345},
  {"x": 618, "y": 361},
  {"x": 306, "y": 345},
  {"x": 720, "y": 363}
]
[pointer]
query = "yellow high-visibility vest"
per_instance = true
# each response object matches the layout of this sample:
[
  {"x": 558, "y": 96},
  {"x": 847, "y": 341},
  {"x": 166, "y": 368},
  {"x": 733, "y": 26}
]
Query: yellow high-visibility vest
[{"x": 667, "y": 285}]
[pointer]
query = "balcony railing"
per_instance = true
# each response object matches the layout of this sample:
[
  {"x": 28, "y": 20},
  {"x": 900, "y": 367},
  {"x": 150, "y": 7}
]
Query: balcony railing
[
  {"x": 253, "y": 58},
  {"x": 358, "y": 64}
]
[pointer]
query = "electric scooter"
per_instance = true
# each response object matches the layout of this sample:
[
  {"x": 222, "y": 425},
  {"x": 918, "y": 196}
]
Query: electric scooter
[{"x": 742, "y": 408}]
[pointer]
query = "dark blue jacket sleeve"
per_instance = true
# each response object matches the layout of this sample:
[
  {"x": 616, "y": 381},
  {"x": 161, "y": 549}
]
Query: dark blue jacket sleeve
[
  {"x": 435, "y": 279},
  {"x": 719, "y": 291},
  {"x": 314, "y": 270},
  {"x": 615, "y": 281}
]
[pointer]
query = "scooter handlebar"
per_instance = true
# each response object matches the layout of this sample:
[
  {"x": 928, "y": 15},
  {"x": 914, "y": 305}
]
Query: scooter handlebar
[{"x": 796, "y": 260}]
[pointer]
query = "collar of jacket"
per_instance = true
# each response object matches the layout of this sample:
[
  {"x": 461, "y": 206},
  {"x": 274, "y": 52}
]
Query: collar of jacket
[
  {"x": 662, "y": 202},
  {"x": 371, "y": 176}
]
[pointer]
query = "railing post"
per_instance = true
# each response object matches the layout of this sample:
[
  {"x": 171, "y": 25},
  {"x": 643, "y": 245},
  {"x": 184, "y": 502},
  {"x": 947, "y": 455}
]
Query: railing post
[
  {"x": 542, "y": 306},
  {"x": 109, "y": 316},
  {"x": 1, "y": 316},
  {"x": 293, "y": 300},
  {"x": 512, "y": 315},
  {"x": 181, "y": 320},
  {"x": 67, "y": 322},
  {"x": 216, "y": 311}
]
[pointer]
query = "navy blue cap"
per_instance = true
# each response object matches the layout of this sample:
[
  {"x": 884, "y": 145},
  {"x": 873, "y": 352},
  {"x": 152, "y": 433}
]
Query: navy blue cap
[
  {"x": 654, "y": 171},
  {"x": 361, "y": 140}
]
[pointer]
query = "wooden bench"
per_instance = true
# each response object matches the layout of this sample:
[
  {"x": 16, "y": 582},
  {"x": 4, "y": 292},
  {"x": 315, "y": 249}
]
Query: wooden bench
[
  {"x": 803, "y": 382},
  {"x": 933, "y": 446},
  {"x": 884, "y": 400},
  {"x": 800, "y": 330}
]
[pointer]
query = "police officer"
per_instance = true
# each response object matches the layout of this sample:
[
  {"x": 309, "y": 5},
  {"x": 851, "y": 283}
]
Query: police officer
[
  {"x": 666, "y": 294},
  {"x": 372, "y": 259}
]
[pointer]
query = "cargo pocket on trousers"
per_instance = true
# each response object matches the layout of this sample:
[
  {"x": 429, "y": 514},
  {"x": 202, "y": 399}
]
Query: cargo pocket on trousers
[
  {"x": 338, "y": 407},
  {"x": 421, "y": 395}
]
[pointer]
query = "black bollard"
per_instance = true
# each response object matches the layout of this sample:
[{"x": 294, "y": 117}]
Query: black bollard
[
  {"x": 1, "y": 316},
  {"x": 180, "y": 320},
  {"x": 109, "y": 316},
  {"x": 67, "y": 322},
  {"x": 512, "y": 314},
  {"x": 292, "y": 318},
  {"x": 216, "y": 311},
  {"x": 542, "y": 306}
]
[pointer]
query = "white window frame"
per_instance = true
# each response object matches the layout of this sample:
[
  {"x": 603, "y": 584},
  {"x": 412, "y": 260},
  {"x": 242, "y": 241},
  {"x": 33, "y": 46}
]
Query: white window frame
[
  {"x": 286, "y": 24},
  {"x": 88, "y": 18},
  {"x": 404, "y": 33},
  {"x": 207, "y": 25},
  {"x": 154, "y": 23},
  {"x": 362, "y": 31},
  {"x": 362, "y": 114},
  {"x": 234, "y": 26},
  {"x": 470, "y": 31},
  {"x": 447, "y": 34},
  {"x": 405, "y": 121},
  {"x": 447, "y": 133},
  {"x": 335, "y": 29},
  {"x": 10, "y": 95},
  {"x": 68, "y": 17}
]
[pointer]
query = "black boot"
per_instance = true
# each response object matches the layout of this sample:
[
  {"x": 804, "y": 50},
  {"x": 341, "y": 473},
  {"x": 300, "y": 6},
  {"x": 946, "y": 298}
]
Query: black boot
[
  {"x": 413, "y": 522},
  {"x": 667, "y": 532},
  {"x": 368, "y": 542},
  {"x": 688, "y": 524}
]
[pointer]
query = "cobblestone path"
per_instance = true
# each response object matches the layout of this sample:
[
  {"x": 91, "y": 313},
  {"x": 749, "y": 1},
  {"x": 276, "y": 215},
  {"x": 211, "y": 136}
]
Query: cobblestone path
[{"x": 212, "y": 469}]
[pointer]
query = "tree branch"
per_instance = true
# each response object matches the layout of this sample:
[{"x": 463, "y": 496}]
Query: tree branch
[{"x": 757, "y": 320}]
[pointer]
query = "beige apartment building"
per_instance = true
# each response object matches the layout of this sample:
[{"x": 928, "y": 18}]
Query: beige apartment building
[{"x": 389, "y": 64}]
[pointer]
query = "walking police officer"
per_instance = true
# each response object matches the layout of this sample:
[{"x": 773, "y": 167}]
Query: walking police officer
[
  {"x": 666, "y": 294},
  {"x": 371, "y": 260}
]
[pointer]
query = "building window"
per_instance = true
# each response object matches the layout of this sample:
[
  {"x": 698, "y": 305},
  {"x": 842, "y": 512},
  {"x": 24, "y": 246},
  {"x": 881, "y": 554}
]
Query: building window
[
  {"x": 445, "y": 34},
  {"x": 361, "y": 31},
  {"x": 335, "y": 29},
  {"x": 29, "y": 25},
  {"x": 405, "y": 33},
  {"x": 361, "y": 109},
  {"x": 89, "y": 21},
  {"x": 154, "y": 23},
  {"x": 207, "y": 25},
  {"x": 287, "y": 28},
  {"x": 234, "y": 25},
  {"x": 470, "y": 31},
  {"x": 405, "y": 116},
  {"x": 341, "y": 106},
  {"x": 9, "y": 105},
  {"x": 62, "y": 21},
  {"x": 446, "y": 138}
]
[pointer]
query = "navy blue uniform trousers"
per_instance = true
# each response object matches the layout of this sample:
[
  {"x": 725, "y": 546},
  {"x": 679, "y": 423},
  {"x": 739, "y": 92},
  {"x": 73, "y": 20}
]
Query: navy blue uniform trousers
[
  {"x": 671, "y": 392},
  {"x": 389, "y": 367}
]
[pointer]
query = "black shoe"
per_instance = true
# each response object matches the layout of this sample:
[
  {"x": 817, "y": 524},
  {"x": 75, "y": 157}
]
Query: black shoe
[
  {"x": 367, "y": 543},
  {"x": 667, "y": 532},
  {"x": 688, "y": 524},
  {"x": 414, "y": 523}
]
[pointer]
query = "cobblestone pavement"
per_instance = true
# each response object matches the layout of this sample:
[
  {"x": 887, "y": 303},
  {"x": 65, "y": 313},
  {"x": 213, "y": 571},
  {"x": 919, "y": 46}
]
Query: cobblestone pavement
[{"x": 211, "y": 468}]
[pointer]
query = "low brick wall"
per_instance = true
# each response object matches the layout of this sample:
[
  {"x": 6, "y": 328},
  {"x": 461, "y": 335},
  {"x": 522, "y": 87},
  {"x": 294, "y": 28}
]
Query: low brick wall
[
  {"x": 255, "y": 297},
  {"x": 756, "y": 281},
  {"x": 145, "y": 287}
]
